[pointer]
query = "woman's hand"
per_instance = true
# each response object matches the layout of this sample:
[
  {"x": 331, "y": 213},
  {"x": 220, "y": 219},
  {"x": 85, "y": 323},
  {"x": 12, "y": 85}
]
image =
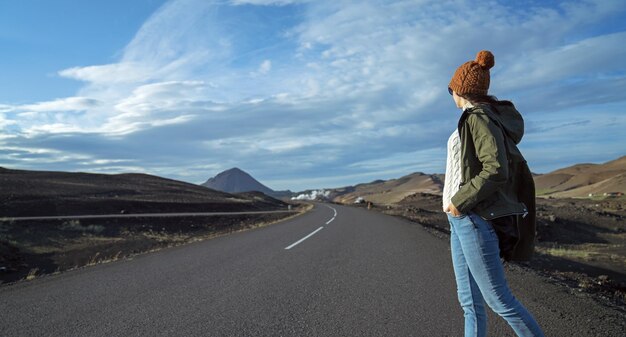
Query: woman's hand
[{"x": 452, "y": 209}]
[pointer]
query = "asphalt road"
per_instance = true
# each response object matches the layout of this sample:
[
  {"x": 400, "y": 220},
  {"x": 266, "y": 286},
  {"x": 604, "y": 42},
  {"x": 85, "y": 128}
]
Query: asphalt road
[{"x": 346, "y": 272}]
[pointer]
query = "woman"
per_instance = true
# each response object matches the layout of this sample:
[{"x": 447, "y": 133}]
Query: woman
[{"x": 484, "y": 176}]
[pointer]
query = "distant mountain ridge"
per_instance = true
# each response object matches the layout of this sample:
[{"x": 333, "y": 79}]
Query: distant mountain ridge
[
  {"x": 393, "y": 190},
  {"x": 381, "y": 191},
  {"x": 578, "y": 180}
]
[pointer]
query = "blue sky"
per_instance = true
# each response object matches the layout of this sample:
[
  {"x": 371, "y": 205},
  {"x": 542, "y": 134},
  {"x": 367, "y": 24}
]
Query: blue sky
[{"x": 301, "y": 94}]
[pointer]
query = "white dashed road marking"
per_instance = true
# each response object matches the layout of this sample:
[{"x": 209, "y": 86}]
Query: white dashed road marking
[
  {"x": 335, "y": 215},
  {"x": 315, "y": 231},
  {"x": 304, "y": 238}
]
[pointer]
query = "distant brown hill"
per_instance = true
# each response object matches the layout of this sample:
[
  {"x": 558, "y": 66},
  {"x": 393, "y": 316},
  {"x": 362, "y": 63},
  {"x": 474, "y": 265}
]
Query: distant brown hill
[
  {"x": 575, "y": 181},
  {"x": 42, "y": 193},
  {"x": 583, "y": 179},
  {"x": 390, "y": 191}
]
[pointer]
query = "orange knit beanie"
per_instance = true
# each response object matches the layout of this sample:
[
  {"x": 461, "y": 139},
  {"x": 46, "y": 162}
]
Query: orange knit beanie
[{"x": 473, "y": 76}]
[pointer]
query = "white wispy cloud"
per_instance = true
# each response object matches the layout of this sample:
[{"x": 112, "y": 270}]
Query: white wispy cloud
[
  {"x": 588, "y": 59},
  {"x": 111, "y": 74},
  {"x": 264, "y": 68},
  {"x": 4, "y": 121},
  {"x": 62, "y": 104},
  {"x": 315, "y": 92}
]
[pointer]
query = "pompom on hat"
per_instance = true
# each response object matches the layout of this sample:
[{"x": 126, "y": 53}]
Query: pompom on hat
[{"x": 472, "y": 77}]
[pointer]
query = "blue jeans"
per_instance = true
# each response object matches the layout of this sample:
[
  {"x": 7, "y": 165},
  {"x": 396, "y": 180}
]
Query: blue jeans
[{"x": 480, "y": 278}]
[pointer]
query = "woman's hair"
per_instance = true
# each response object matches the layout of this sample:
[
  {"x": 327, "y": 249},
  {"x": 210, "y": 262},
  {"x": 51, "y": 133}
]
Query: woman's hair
[{"x": 488, "y": 99}]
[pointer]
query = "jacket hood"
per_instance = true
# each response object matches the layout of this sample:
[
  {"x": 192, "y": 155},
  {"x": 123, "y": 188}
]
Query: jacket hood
[{"x": 510, "y": 119}]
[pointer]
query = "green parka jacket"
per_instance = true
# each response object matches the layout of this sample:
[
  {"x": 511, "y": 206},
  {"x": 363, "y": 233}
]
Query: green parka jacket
[{"x": 496, "y": 180}]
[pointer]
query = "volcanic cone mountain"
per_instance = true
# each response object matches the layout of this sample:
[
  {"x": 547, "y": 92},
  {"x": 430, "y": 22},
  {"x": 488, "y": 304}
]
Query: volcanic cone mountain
[{"x": 235, "y": 181}]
